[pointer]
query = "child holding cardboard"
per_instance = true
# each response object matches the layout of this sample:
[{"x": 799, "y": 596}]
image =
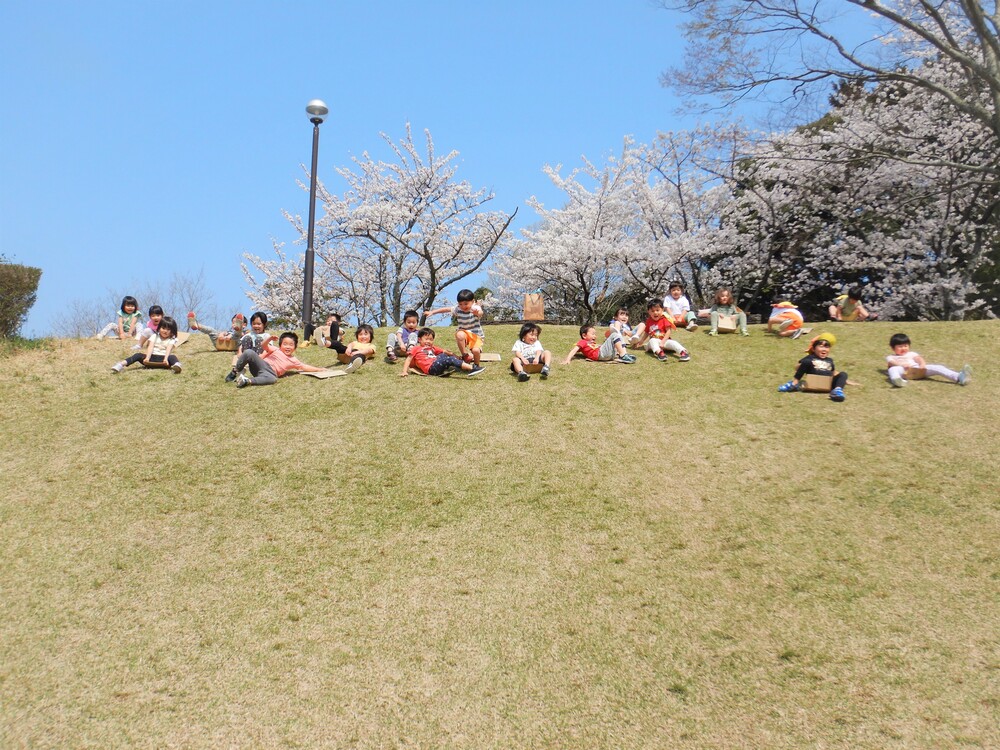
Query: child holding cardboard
[
  {"x": 906, "y": 365},
  {"x": 818, "y": 365}
]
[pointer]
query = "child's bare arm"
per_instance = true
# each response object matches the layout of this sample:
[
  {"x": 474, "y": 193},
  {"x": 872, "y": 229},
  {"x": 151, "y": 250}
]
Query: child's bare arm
[
  {"x": 572, "y": 353},
  {"x": 309, "y": 368},
  {"x": 149, "y": 350},
  {"x": 437, "y": 311},
  {"x": 121, "y": 328},
  {"x": 406, "y": 366}
]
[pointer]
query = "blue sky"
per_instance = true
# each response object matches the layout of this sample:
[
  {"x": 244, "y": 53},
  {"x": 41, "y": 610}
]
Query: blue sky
[{"x": 140, "y": 139}]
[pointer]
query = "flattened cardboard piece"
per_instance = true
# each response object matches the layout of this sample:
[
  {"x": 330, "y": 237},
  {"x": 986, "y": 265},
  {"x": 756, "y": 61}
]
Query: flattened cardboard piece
[
  {"x": 415, "y": 371},
  {"x": 534, "y": 306},
  {"x": 182, "y": 337},
  {"x": 490, "y": 357},
  {"x": 533, "y": 368},
  {"x": 324, "y": 374},
  {"x": 915, "y": 373},
  {"x": 727, "y": 324},
  {"x": 817, "y": 383}
]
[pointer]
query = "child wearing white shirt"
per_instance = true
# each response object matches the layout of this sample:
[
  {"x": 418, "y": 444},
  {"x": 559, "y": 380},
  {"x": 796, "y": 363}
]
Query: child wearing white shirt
[
  {"x": 528, "y": 350},
  {"x": 678, "y": 307},
  {"x": 904, "y": 364}
]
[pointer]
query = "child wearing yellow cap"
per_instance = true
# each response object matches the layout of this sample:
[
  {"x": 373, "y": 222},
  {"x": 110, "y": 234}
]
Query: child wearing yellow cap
[{"x": 818, "y": 362}]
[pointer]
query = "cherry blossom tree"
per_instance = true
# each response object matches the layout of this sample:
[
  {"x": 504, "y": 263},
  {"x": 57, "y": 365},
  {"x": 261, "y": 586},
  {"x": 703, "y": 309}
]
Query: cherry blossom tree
[
  {"x": 401, "y": 233},
  {"x": 627, "y": 227},
  {"x": 739, "y": 48},
  {"x": 893, "y": 189},
  {"x": 572, "y": 254}
]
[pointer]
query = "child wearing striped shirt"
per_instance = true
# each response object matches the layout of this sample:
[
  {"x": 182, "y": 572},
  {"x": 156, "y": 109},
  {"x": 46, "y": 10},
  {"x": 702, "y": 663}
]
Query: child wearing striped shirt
[{"x": 469, "y": 335}]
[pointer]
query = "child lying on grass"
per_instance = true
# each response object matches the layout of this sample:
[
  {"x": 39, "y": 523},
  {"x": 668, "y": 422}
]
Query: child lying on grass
[
  {"x": 274, "y": 363},
  {"x": 612, "y": 350},
  {"x": 433, "y": 360}
]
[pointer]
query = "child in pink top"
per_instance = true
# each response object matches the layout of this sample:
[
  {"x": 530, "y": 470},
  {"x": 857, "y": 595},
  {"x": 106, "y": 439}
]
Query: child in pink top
[{"x": 266, "y": 368}]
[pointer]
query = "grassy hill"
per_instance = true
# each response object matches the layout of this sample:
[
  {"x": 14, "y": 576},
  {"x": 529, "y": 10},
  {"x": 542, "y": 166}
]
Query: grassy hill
[{"x": 648, "y": 555}]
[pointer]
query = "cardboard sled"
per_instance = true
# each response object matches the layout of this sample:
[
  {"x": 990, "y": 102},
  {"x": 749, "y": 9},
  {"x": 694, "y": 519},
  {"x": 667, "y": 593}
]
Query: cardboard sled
[
  {"x": 533, "y": 368},
  {"x": 915, "y": 373},
  {"x": 324, "y": 374},
  {"x": 489, "y": 357},
  {"x": 727, "y": 324},
  {"x": 817, "y": 383}
]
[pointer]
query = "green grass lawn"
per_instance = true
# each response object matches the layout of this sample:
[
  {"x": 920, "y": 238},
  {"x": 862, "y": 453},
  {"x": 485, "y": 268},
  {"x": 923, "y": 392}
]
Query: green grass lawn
[{"x": 623, "y": 556}]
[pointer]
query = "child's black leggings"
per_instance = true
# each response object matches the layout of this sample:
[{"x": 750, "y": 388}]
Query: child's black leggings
[
  {"x": 335, "y": 342},
  {"x": 153, "y": 359}
]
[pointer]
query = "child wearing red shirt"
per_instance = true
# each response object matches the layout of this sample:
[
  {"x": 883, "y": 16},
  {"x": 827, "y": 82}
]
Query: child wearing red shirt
[
  {"x": 613, "y": 348},
  {"x": 433, "y": 360},
  {"x": 654, "y": 333}
]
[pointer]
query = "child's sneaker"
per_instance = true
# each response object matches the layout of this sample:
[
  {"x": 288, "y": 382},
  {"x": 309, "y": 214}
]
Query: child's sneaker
[
  {"x": 796, "y": 333},
  {"x": 965, "y": 376},
  {"x": 662, "y": 356},
  {"x": 692, "y": 326},
  {"x": 176, "y": 367},
  {"x": 683, "y": 356},
  {"x": 231, "y": 375},
  {"x": 390, "y": 354},
  {"x": 192, "y": 322},
  {"x": 522, "y": 377},
  {"x": 713, "y": 332},
  {"x": 790, "y": 387},
  {"x": 136, "y": 348},
  {"x": 476, "y": 369},
  {"x": 744, "y": 332},
  {"x": 117, "y": 368},
  {"x": 545, "y": 372},
  {"x": 785, "y": 324},
  {"x": 898, "y": 381},
  {"x": 356, "y": 364},
  {"x": 626, "y": 359},
  {"x": 837, "y": 394},
  {"x": 242, "y": 381}
]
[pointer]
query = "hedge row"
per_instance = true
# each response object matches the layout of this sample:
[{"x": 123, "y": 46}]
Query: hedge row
[{"x": 18, "y": 290}]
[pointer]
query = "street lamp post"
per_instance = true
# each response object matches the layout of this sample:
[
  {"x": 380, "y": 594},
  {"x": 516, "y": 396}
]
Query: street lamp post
[{"x": 317, "y": 112}]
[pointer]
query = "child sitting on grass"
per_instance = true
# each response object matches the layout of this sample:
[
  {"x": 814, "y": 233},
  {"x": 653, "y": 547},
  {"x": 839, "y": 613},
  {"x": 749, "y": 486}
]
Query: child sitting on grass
[
  {"x": 469, "y": 336},
  {"x": 654, "y": 333},
  {"x": 159, "y": 349},
  {"x": 678, "y": 307},
  {"x": 904, "y": 364},
  {"x": 433, "y": 360},
  {"x": 358, "y": 351},
  {"x": 405, "y": 336},
  {"x": 848, "y": 308},
  {"x": 155, "y": 316},
  {"x": 528, "y": 350},
  {"x": 254, "y": 340},
  {"x": 274, "y": 363},
  {"x": 612, "y": 350},
  {"x": 620, "y": 323},
  {"x": 725, "y": 304},
  {"x": 818, "y": 362},
  {"x": 128, "y": 322}
]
